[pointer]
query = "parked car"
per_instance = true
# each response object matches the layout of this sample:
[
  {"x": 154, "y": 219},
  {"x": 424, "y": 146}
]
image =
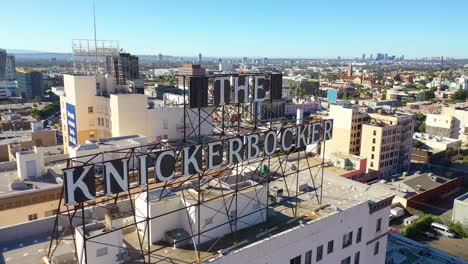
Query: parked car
[{"x": 442, "y": 229}]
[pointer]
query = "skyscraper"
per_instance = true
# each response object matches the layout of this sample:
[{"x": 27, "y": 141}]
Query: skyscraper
[
  {"x": 10, "y": 68},
  {"x": 30, "y": 83},
  {"x": 199, "y": 57},
  {"x": 3, "y": 57},
  {"x": 363, "y": 56},
  {"x": 124, "y": 67}
]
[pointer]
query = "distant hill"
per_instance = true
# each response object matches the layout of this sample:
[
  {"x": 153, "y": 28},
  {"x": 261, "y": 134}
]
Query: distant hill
[{"x": 16, "y": 51}]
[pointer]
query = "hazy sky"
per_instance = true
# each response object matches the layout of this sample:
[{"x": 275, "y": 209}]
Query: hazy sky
[{"x": 309, "y": 28}]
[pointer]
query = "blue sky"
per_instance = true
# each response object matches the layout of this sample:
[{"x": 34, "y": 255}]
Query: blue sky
[{"x": 323, "y": 28}]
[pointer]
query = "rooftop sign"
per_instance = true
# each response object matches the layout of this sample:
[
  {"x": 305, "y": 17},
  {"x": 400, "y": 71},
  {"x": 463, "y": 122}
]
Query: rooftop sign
[{"x": 170, "y": 163}]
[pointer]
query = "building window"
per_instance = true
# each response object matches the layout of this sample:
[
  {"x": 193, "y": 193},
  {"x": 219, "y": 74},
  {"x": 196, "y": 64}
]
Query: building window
[
  {"x": 373, "y": 148},
  {"x": 295, "y": 260},
  {"x": 375, "y": 132},
  {"x": 346, "y": 260},
  {"x": 356, "y": 257},
  {"x": 330, "y": 247},
  {"x": 373, "y": 141},
  {"x": 359, "y": 235},
  {"x": 376, "y": 248},
  {"x": 165, "y": 124},
  {"x": 347, "y": 239},
  {"x": 372, "y": 156},
  {"x": 91, "y": 134},
  {"x": 379, "y": 225},
  {"x": 308, "y": 257},
  {"x": 90, "y": 110},
  {"x": 319, "y": 253},
  {"x": 101, "y": 252},
  {"x": 32, "y": 217}
]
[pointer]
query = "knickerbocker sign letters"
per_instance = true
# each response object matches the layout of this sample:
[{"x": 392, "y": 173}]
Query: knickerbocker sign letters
[{"x": 166, "y": 164}]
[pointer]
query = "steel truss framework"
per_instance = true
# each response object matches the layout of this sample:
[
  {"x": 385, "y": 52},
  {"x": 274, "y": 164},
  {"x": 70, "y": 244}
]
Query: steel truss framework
[
  {"x": 145, "y": 252},
  {"x": 90, "y": 55}
]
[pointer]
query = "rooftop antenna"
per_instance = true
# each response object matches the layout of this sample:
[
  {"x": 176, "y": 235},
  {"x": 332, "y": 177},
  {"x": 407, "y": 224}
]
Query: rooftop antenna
[{"x": 95, "y": 39}]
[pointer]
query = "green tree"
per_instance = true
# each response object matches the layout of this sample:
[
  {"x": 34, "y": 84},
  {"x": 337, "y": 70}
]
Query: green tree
[
  {"x": 418, "y": 144},
  {"x": 422, "y": 128},
  {"x": 460, "y": 95},
  {"x": 421, "y": 117},
  {"x": 37, "y": 99},
  {"x": 418, "y": 227},
  {"x": 458, "y": 230},
  {"x": 428, "y": 95}
]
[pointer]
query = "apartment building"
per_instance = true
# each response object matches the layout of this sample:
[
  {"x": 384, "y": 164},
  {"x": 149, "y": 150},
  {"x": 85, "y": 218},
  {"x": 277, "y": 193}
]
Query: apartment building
[
  {"x": 93, "y": 107},
  {"x": 440, "y": 125},
  {"x": 460, "y": 120},
  {"x": 348, "y": 122},
  {"x": 388, "y": 143}
]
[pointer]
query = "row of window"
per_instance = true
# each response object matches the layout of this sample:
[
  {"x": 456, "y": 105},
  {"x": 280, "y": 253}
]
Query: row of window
[
  {"x": 308, "y": 258},
  {"x": 347, "y": 241},
  {"x": 102, "y": 122},
  {"x": 34, "y": 216}
]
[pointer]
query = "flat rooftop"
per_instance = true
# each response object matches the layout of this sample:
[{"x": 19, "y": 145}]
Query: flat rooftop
[
  {"x": 6, "y": 177},
  {"x": 338, "y": 194},
  {"x": 407, "y": 186}
]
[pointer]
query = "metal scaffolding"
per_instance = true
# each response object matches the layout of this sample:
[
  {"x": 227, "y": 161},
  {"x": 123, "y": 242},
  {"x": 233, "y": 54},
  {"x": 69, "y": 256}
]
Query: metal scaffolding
[{"x": 230, "y": 123}]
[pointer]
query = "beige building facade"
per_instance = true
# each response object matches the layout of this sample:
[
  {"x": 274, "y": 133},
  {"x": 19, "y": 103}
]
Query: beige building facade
[
  {"x": 347, "y": 126},
  {"x": 460, "y": 124},
  {"x": 92, "y": 108},
  {"x": 387, "y": 144}
]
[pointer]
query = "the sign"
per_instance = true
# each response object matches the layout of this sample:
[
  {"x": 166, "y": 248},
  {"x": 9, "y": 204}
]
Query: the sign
[
  {"x": 71, "y": 124},
  {"x": 234, "y": 89},
  {"x": 80, "y": 182}
]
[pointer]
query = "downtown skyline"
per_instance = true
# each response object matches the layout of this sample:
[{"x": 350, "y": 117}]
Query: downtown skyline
[{"x": 299, "y": 30}]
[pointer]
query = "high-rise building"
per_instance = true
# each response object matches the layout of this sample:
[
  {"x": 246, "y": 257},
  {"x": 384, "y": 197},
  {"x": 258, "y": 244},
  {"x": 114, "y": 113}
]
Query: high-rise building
[
  {"x": 124, "y": 67},
  {"x": 199, "y": 57},
  {"x": 244, "y": 60},
  {"x": 10, "y": 68},
  {"x": 160, "y": 57},
  {"x": 388, "y": 144},
  {"x": 30, "y": 83},
  {"x": 265, "y": 60},
  {"x": 363, "y": 56},
  {"x": 189, "y": 69},
  {"x": 3, "y": 58},
  {"x": 371, "y": 57}
]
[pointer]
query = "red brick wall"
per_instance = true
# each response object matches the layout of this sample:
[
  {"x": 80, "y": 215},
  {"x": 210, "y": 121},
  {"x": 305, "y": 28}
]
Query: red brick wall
[{"x": 420, "y": 201}]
